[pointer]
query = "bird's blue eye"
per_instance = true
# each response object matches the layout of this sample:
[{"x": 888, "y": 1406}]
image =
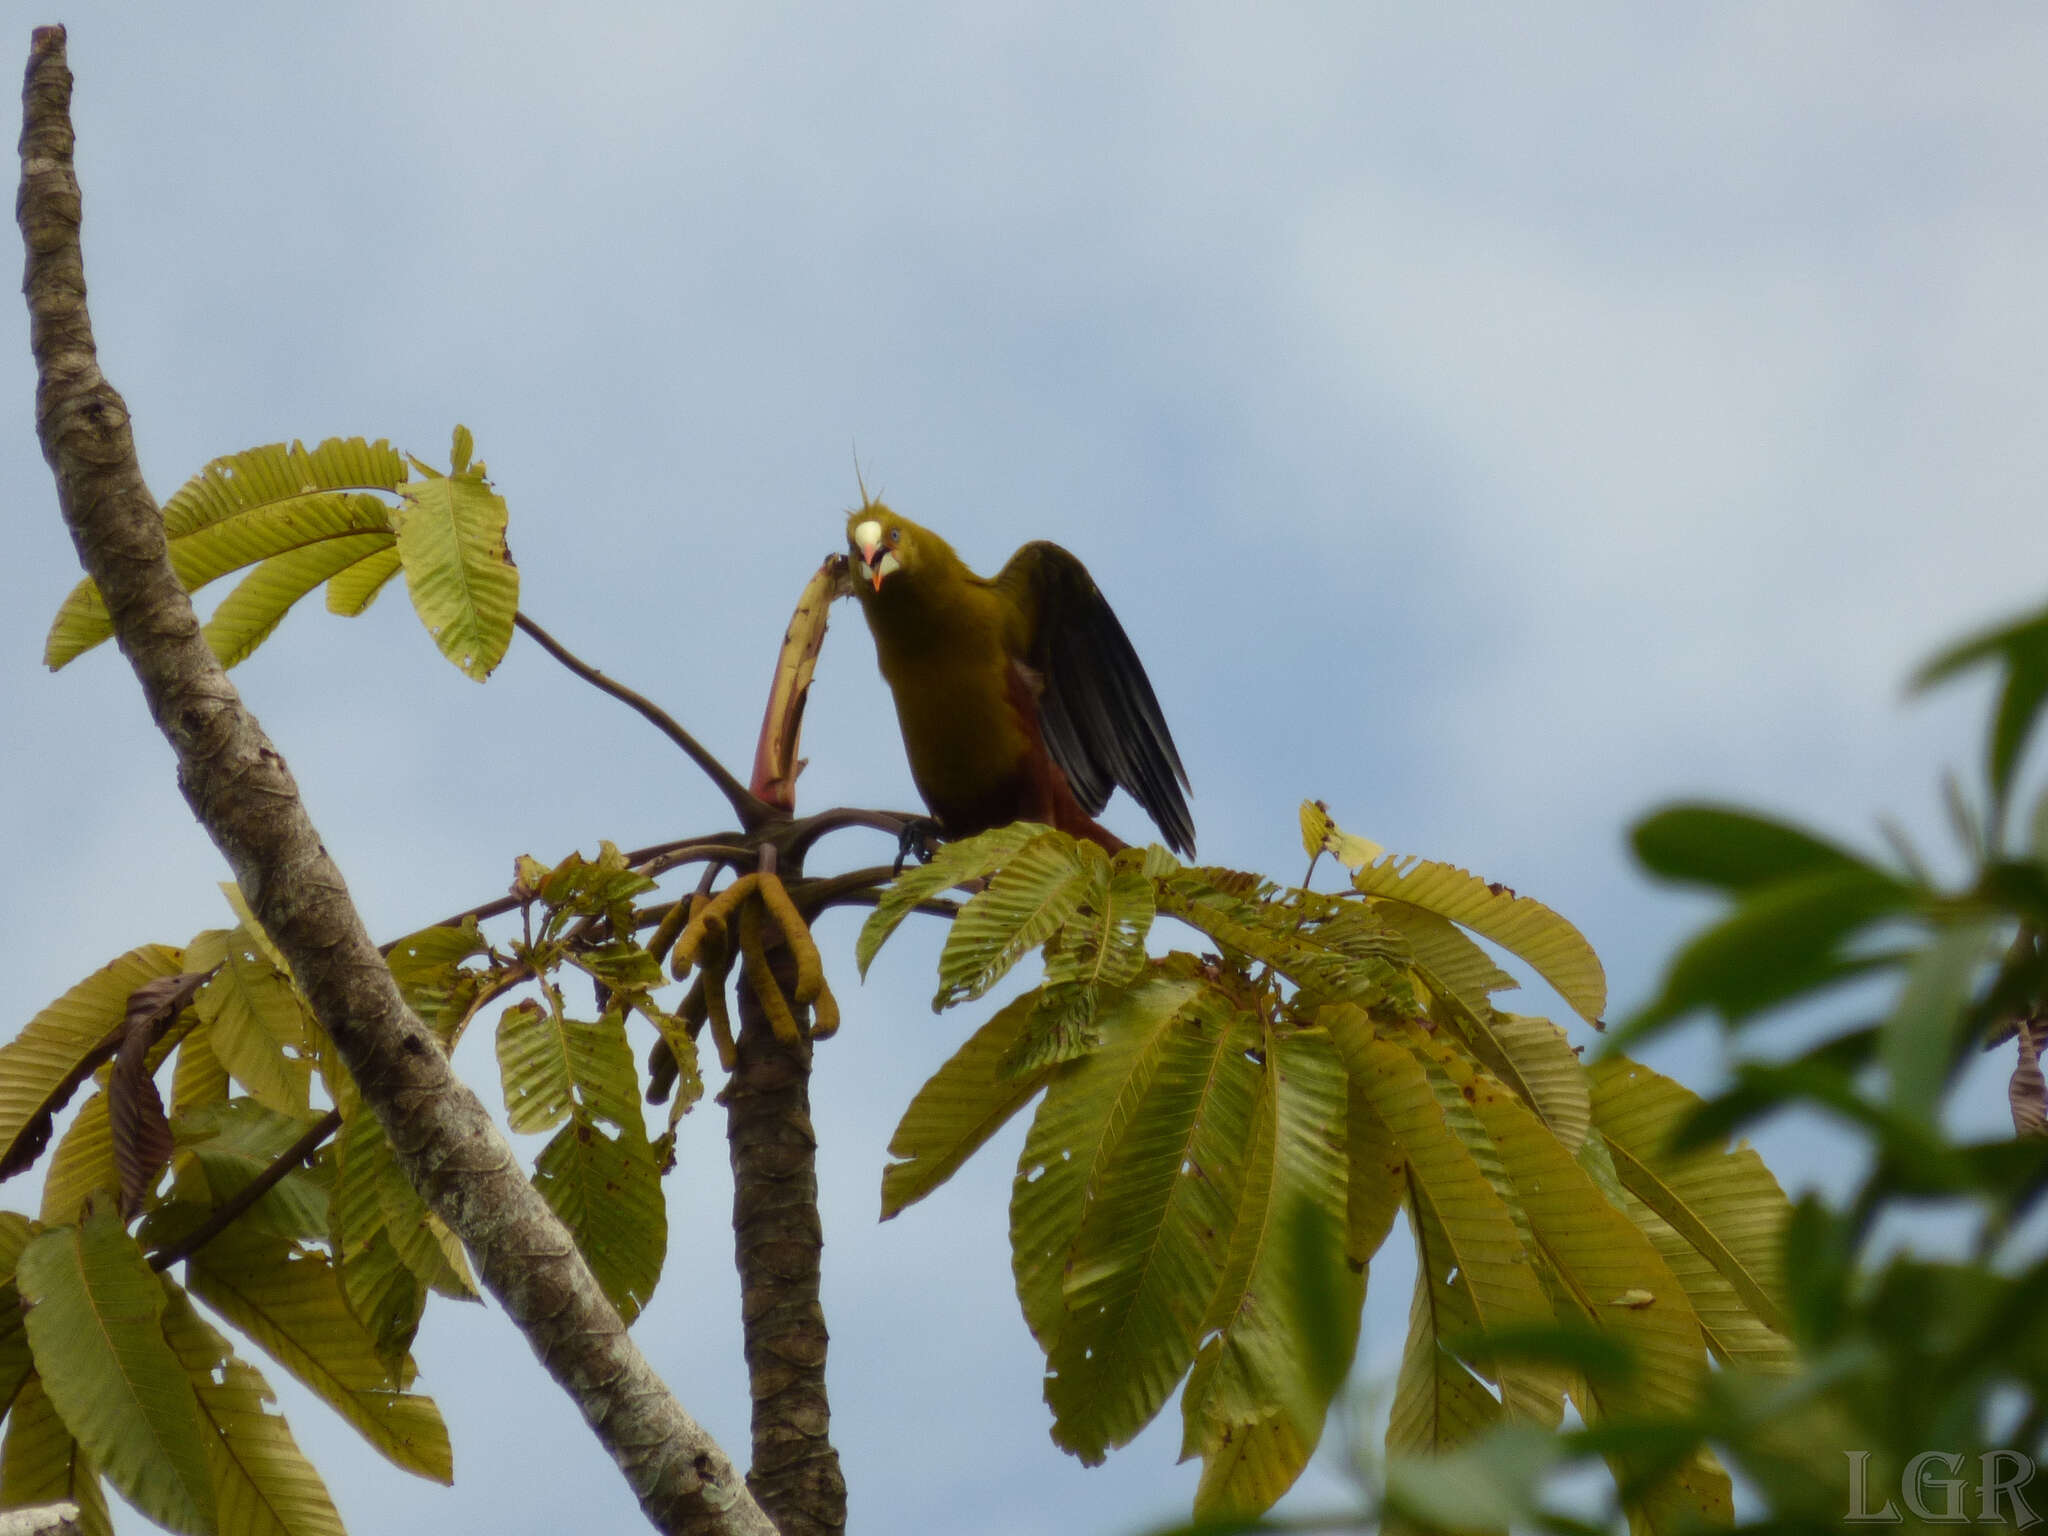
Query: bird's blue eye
[{"x": 895, "y": 535}]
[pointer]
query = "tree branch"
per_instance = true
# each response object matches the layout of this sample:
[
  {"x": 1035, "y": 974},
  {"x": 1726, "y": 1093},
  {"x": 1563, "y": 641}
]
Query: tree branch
[
  {"x": 223, "y": 1215},
  {"x": 749, "y": 807},
  {"x": 240, "y": 790}
]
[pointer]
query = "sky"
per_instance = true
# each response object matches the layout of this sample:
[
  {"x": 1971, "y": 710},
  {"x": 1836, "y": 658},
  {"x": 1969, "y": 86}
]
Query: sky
[{"x": 1495, "y": 422}]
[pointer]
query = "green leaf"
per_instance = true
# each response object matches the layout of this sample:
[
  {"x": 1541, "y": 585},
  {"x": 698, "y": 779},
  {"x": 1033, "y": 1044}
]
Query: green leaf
[
  {"x": 962, "y": 1104},
  {"x": 261, "y": 1479},
  {"x": 1782, "y": 941},
  {"x": 289, "y": 1302},
  {"x": 1725, "y": 1204},
  {"x": 552, "y": 1064},
  {"x": 83, "y": 1165},
  {"x": 1558, "y": 952},
  {"x": 42, "y": 1066},
  {"x": 16, "y": 1363},
  {"x": 1029, "y": 899},
  {"x": 1103, "y": 944},
  {"x": 1074, "y": 1136},
  {"x": 1282, "y": 1324},
  {"x": 2023, "y": 647},
  {"x": 232, "y": 1143},
  {"x": 428, "y": 967},
  {"x": 607, "y": 1190},
  {"x": 1731, "y": 850},
  {"x": 1449, "y": 1192},
  {"x": 41, "y": 1464},
  {"x": 971, "y": 858},
  {"x": 1149, "y": 1250},
  {"x": 451, "y": 537},
  {"x": 383, "y": 1290},
  {"x": 258, "y": 1027},
  {"x": 1919, "y": 1042},
  {"x": 1439, "y": 1404},
  {"x": 1491, "y": 1484},
  {"x": 249, "y": 615},
  {"x": 350, "y": 592},
  {"x": 94, "y": 1324}
]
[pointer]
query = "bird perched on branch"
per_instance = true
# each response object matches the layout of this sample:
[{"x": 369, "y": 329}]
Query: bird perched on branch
[{"x": 1019, "y": 696}]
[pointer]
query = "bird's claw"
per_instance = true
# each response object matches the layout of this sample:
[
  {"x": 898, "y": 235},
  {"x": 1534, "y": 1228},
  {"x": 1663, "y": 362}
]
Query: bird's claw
[{"x": 920, "y": 836}]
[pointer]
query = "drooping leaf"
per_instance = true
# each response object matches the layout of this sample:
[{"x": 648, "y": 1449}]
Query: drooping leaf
[
  {"x": 16, "y": 1363},
  {"x": 231, "y": 1143},
  {"x": 246, "y": 508},
  {"x": 1919, "y": 1041},
  {"x": 1282, "y": 1325},
  {"x": 962, "y": 1104},
  {"x": 1556, "y": 950},
  {"x": 94, "y": 1310},
  {"x": 250, "y": 614},
  {"x": 59, "y": 1048},
  {"x": 258, "y": 1027},
  {"x": 262, "y": 1481},
  {"x": 82, "y": 1166},
  {"x": 1037, "y": 889},
  {"x": 289, "y": 1301},
  {"x": 451, "y": 538},
  {"x": 607, "y": 1190},
  {"x": 1448, "y": 1188},
  {"x": 41, "y": 1464},
  {"x": 350, "y": 592},
  {"x": 198, "y": 1078},
  {"x": 140, "y": 1130},
  {"x": 381, "y": 1288},
  {"x": 971, "y": 858},
  {"x": 1724, "y": 1203},
  {"x": 1150, "y": 1247}
]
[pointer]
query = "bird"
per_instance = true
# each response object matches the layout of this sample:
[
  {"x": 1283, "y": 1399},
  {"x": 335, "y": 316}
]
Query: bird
[{"x": 1019, "y": 695}]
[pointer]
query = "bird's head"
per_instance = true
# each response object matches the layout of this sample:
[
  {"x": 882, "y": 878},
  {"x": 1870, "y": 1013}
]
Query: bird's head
[{"x": 885, "y": 545}]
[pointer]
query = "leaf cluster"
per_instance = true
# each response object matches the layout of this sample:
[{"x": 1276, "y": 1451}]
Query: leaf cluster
[{"x": 1222, "y": 1141}]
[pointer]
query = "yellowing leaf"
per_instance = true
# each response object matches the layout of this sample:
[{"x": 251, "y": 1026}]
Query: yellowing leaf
[
  {"x": 93, "y": 1322},
  {"x": 1035, "y": 891},
  {"x": 451, "y": 538},
  {"x": 607, "y": 1190},
  {"x": 83, "y": 1165},
  {"x": 351, "y": 591},
  {"x": 1558, "y": 951},
  {"x": 41, "y": 1464},
  {"x": 262, "y": 1481},
  {"x": 963, "y": 1104},
  {"x": 1319, "y": 834},
  {"x": 289, "y": 1302},
  {"x": 258, "y": 1027}
]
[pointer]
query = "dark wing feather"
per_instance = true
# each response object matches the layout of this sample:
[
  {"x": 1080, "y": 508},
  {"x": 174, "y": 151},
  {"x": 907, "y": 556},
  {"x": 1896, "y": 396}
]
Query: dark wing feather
[{"x": 1097, "y": 711}]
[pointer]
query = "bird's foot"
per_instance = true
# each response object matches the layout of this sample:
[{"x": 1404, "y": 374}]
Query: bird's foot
[{"x": 920, "y": 836}]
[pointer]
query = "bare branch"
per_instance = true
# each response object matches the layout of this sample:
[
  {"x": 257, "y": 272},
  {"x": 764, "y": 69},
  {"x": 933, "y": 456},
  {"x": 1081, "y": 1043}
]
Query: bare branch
[
  {"x": 239, "y": 788},
  {"x": 749, "y": 807}
]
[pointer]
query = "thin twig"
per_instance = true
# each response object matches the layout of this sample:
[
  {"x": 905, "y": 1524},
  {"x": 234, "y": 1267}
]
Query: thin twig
[{"x": 751, "y": 809}]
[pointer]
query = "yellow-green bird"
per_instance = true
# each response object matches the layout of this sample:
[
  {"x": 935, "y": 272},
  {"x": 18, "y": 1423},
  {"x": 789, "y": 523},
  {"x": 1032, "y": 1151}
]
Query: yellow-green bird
[{"x": 1019, "y": 696}]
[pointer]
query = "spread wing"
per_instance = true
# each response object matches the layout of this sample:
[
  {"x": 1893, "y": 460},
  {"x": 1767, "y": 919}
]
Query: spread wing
[{"x": 1097, "y": 711}]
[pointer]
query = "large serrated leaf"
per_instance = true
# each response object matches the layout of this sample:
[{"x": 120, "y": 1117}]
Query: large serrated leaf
[
  {"x": 258, "y": 1027},
  {"x": 249, "y": 507},
  {"x": 41, "y": 1464},
  {"x": 1037, "y": 889},
  {"x": 248, "y": 615},
  {"x": 1270, "y": 1359},
  {"x": 970, "y": 858},
  {"x": 381, "y": 1288},
  {"x": 232, "y": 1143},
  {"x": 42, "y": 1066},
  {"x": 1075, "y": 1134},
  {"x": 1558, "y": 951},
  {"x": 289, "y": 1302},
  {"x": 960, "y": 1106},
  {"x": 262, "y": 1481},
  {"x": 1154, "y": 1232},
  {"x": 551, "y": 1064},
  {"x": 1103, "y": 945},
  {"x": 82, "y": 1166},
  {"x": 94, "y": 1324},
  {"x": 350, "y": 592},
  {"x": 1447, "y": 1186},
  {"x": 464, "y": 586},
  {"x": 607, "y": 1190},
  {"x": 1725, "y": 1204}
]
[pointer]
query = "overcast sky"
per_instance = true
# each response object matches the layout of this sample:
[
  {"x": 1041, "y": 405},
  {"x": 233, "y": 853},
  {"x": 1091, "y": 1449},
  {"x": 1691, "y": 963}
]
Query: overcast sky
[{"x": 1491, "y": 420}]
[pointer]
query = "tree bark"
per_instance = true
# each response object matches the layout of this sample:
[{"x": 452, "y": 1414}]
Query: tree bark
[
  {"x": 778, "y": 1244},
  {"x": 241, "y": 791}
]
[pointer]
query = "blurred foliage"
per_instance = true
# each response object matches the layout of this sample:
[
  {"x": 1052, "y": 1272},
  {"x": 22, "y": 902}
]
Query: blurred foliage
[{"x": 1917, "y": 1392}]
